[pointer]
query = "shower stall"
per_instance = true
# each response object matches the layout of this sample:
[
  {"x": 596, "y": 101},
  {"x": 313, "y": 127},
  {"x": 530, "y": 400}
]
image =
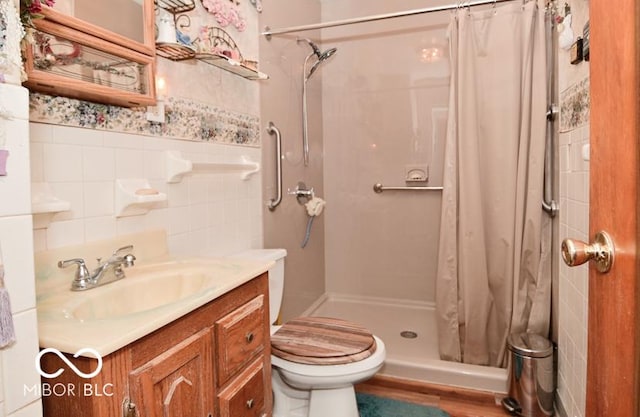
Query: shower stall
[{"x": 376, "y": 114}]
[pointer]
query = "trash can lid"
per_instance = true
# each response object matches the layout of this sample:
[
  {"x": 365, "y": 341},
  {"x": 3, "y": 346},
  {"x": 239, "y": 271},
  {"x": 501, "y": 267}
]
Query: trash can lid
[{"x": 530, "y": 344}]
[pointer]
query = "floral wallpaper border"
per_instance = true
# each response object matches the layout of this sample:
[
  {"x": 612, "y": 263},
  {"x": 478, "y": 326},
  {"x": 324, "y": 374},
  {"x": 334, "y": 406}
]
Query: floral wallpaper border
[
  {"x": 574, "y": 106},
  {"x": 184, "y": 119}
]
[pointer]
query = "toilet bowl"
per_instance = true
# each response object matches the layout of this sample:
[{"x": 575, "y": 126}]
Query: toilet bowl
[
  {"x": 315, "y": 360},
  {"x": 301, "y": 390}
]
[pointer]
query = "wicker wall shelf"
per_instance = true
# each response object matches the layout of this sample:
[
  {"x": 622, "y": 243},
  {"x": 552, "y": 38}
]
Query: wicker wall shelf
[
  {"x": 174, "y": 51},
  {"x": 220, "y": 46},
  {"x": 176, "y": 6}
]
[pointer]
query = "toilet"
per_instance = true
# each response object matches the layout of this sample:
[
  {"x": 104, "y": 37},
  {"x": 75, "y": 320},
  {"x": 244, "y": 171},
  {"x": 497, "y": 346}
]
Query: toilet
[{"x": 315, "y": 360}]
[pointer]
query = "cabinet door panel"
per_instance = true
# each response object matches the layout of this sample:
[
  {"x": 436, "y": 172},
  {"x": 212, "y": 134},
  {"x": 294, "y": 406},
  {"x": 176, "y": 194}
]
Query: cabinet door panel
[
  {"x": 245, "y": 396},
  {"x": 175, "y": 383},
  {"x": 240, "y": 337}
]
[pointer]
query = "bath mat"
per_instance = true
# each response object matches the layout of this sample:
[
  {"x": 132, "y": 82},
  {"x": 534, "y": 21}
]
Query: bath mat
[{"x": 374, "y": 406}]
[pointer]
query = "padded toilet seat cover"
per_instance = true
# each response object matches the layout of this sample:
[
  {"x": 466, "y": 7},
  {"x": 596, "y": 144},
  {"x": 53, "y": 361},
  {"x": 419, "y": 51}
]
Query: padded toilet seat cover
[{"x": 322, "y": 341}]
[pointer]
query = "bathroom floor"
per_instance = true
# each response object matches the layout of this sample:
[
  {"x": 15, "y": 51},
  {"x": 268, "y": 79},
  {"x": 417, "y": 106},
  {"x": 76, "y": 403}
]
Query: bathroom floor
[
  {"x": 456, "y": 402},
  {"x": 413, "y": 371},
  {"x": 388, "y": 320},
  {"x": 408, "y": 329}
]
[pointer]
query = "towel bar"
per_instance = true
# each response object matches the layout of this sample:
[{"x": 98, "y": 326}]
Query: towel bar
[{"x": 378, "y": 188}]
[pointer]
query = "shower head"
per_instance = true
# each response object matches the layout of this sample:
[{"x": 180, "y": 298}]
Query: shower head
[
  {"x": 316, "y": 50},
  {"x": 326, "y": 54},
  {"x": 322, "y": 57}
]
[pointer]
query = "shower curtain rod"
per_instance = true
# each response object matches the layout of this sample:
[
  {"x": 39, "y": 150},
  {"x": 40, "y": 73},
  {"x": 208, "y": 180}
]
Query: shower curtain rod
[{"x": 268, "y": 31}]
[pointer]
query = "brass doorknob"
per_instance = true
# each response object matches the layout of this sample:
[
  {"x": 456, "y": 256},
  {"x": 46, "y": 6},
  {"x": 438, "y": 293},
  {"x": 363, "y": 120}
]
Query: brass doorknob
[{"x": 601, "y": 251}]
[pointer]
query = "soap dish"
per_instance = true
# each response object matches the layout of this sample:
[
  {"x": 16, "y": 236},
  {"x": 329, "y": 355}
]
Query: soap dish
[
  {"x": 45, "y": 205},
  {"x": 135, "y": 196}
]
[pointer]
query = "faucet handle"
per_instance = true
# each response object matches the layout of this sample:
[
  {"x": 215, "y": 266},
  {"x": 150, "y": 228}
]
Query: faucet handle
[
  {"x": 127, "y": 248},
  {"x": 129, "y": 260},
  {"x": 82, "y": 267},
  {"x": 82, "y": 273}
]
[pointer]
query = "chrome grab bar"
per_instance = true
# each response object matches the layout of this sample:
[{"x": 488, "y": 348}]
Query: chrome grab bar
[
  {"x": 550, "y": 208},
  {"x": 378, "y": 188},
  {"x": 549, "y": 205},
  {"x": 274, "y": 202}
]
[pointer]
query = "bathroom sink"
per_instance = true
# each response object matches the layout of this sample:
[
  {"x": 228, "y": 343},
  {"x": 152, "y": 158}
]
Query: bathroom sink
[
  {"x": 110, "y": 316},
  {"x": 140, "y": 292},
  {"x": 164, "y": 285}
]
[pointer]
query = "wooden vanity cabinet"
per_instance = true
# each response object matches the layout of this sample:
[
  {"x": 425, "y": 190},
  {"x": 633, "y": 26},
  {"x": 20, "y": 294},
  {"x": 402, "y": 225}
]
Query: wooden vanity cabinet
[{"x": 213, "y": 362}]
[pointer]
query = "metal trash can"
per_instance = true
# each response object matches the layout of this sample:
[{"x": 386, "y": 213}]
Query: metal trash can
[{"x": 531, "y": 376}]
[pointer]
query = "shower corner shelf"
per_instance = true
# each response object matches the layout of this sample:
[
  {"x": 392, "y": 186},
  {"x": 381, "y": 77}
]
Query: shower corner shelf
[
  {"x": 44, "y": 205},
  {"x": 177, "y": 167},
  {"x": 135, "y": 196},
  {"x": 231, "y": 65}
]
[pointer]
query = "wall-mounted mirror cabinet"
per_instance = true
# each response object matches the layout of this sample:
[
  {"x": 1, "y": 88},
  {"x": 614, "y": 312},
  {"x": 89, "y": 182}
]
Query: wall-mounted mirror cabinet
[{"x": 97, "y": 51}]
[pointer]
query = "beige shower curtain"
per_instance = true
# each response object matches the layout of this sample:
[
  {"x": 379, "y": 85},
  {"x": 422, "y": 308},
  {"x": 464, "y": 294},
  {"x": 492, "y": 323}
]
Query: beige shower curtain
[{"x": 494, "y": 273}]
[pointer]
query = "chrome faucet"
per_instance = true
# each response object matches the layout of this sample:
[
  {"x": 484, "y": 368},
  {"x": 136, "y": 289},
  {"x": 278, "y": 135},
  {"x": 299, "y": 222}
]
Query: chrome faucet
[{"x": 109, "y": 271}]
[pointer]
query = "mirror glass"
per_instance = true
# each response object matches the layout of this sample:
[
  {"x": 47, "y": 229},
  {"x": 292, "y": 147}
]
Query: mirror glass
[
  {"x": 58, "y": 56},
  {"x": 124, "y": 17}
]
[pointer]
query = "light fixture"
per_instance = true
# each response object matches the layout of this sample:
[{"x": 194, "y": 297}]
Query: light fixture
[
  {"x": 431, "y": 50},
  {"x": 156, "y": 113},
  {"x": 431, "y": 54}
]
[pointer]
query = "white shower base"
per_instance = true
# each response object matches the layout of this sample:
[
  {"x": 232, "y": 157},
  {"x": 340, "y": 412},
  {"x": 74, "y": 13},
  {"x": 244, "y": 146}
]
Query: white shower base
[{"x": 409, "y": 358}]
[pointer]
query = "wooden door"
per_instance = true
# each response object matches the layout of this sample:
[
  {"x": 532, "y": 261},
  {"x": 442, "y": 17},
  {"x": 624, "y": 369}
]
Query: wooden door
[
  {"x": 175, "y": 384},
  {"x": 612, "y": 368}
]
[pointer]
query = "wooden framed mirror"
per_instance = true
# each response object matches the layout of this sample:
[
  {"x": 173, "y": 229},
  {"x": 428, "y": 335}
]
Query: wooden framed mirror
[
  {"x": 76, "y": 58},
  {"x": 128, "y": 23}
]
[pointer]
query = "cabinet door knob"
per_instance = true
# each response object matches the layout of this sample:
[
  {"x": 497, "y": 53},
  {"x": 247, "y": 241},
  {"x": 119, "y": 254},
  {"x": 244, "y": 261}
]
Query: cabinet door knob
[
  {"x": 250, "y": 404},
  {"x": 249, "y": 337},
  {"x": 129, "y": 409}
]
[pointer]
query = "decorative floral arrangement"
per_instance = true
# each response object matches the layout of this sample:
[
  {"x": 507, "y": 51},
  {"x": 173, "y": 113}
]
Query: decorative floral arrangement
[
  {"x": 226, "y": 13},
  {"x": 32, "y": 9}
]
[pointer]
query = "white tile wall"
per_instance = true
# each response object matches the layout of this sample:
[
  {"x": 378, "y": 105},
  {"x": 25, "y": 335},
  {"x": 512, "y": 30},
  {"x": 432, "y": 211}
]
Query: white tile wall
[
  {"x": 15, "y": 236},
  {"x": 574, "y": 222},
  {"x": 16, "y": 361},
  {"x": 204, "y": 213},
  {"x": 574, "y": 291},
  {"x": 31, "y": 410},
  {"x": 15, "y": 186}
]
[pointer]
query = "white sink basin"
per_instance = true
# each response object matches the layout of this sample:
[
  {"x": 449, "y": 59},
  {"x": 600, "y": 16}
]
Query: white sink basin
[
  {"x": 139, "y": 292},
  {"x": 109, "y": 317},
  {"x": 148, "y": 290}
]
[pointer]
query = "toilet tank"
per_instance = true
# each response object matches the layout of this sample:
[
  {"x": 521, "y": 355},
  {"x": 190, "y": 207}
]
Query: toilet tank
[{"x": 276, "y": 275}]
